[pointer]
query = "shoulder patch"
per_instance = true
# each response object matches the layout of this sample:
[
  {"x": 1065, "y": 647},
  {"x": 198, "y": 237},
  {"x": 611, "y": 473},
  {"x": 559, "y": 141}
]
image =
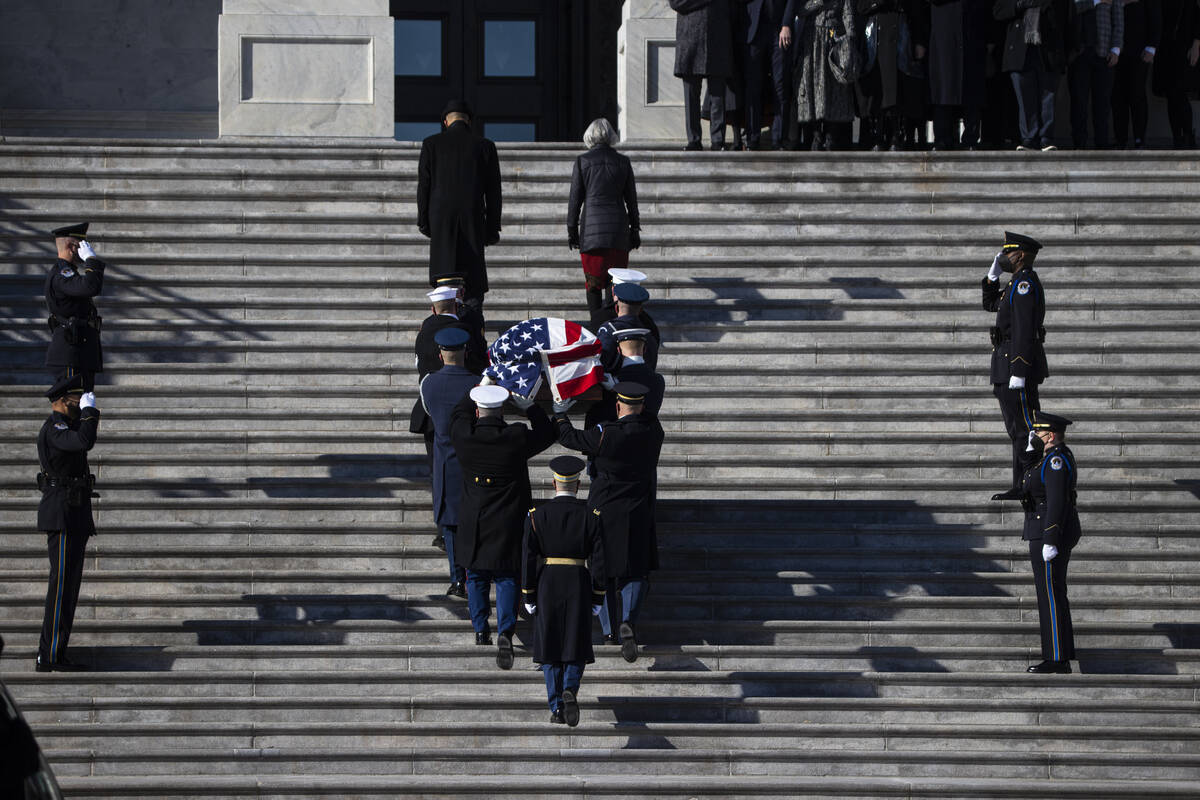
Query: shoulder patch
[
  {"x": 62, "y": 426},
  {"x": 67, "y": 272},
  {"x": 1056, "y": 462},
  {"x": 596, "y": 511},
  {"x": 1023, "y": 287}
]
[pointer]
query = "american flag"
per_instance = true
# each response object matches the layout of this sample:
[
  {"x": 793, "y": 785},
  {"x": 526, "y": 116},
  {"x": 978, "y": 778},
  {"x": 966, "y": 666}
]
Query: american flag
[{"x": 565, "y": 353}]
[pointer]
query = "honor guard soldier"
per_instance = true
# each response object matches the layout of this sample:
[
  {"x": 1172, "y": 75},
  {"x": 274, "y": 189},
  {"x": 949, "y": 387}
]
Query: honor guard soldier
[
  {"x": 493, "y": 456},
  {"x": 562, "y": 580},
  {"x": 1018, "y": 357},
  {"x": 76, "y": 277},
  {"x": 65, "y": 512},
  {"x": 629, "y": 299},
  {"x": 608, "y": 311},
  {"x": 440, "y": 393},
  {"x": 625, "y": 453},
  {"x": 1052, "y": 530}
]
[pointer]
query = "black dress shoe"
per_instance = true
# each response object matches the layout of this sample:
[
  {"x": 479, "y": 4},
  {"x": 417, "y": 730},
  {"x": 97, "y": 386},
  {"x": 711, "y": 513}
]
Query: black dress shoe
[
  {"x": 1053, "y": 667},
  {"x": 64, "y": 664},
  {"x": 457, "y": 590},
  {"x": 570, "y": 708},
  {"x": 504, "y": 651},
  {"x": 556, "y": 717},
  {"x": 1012, "y": 494},
  {"x": 692, "y": 146},
  {"x": 439, "y": 542},
  {"x": 484, "y": 638},
  {"x": 628, "y": 643},
  {"x": 610, "y": 639}
]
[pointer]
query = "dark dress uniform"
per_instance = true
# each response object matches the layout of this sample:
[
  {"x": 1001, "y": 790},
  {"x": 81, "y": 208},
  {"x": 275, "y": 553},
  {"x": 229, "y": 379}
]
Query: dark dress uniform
[
  {"x": 458, "y": 204},
  {"x": 429, "y": 360},
  {"x": 1017, "y": 350},
  {"x": 65, "y": 516},
  {"x": 625, "y": 453},
  {"x": 74, "y": 324},
  {"x": 560, "y": 536},
  {"x": 1051, "y": 518},
  {"x": 493, "y": 456}
]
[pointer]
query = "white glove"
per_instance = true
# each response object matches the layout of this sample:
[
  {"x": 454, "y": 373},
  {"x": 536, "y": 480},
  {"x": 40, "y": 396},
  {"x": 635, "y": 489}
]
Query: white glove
[
  {"x": 520, "y": 402},
  {"x": 561, "y": 406},
  {"x": 609, "y": 382},
  {"x": 1029, "y": 446},
  {"x": 531, "y": 608},
  {"x": 1049, "y": 551},
  {"x": 85, "y": 250},
  {"x": 1016, "y": 383},
  {"x": 596, "y": 610},
  {"x": 88, "y": 400},
  {"x": 997, "y": 267},
  {"x": 486, "y": 380}
]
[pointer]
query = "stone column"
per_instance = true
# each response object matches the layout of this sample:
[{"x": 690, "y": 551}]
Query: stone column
[
  {"x": 649, "y": 96},
  {"x": 306, "y": 68}
]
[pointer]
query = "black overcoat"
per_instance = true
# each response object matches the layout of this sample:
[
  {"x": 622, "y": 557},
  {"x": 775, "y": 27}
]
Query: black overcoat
[
  {"x": 703, "y": 38},
  {"x": 1052, "y": 26},
  {"x": 1143, "y": 28},
  {"x": 493, "y": 456},
  {"x": 603, "y": 200},
  {"x": 1050, "y": 512},
  {"x": 69, "y": 290},
  {"x": 1180, "y": 27},
  {"x": 63, "y": 445},
  {"x": 458, "y": 202},
  {"x": 1020, "y": 309},
  {"x": 884, "y": 86},
  {"x": 625, "y": 454},
  {"x": 563, "y": 593},
  {"x": 958, "y": 33},
  {"x": 429, "y": 355}
]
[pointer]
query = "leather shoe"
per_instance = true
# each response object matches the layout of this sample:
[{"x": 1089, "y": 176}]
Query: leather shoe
[
  {"x": 556, "y": 717},
  {"x": 691, "y": 146},
  {"x": 439, "y": 542},
  {"x": 64, "y": 664},
  {"x": 483, "y": 637},
  {"x": 570, "y": 708},
  {"x": 504, "y": 651},
  {"x": 1053, "y": 667},
  {"x": 628, "y": 643},
  {"x": 1012, "y": 494},
  {"x": 457, "y": 590},
  {"x": 610, "y": 639}
]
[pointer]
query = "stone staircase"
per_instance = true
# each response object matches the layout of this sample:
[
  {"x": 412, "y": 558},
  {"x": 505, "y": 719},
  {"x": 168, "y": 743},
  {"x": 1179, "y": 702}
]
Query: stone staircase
[{"x": 840, "y": 613}]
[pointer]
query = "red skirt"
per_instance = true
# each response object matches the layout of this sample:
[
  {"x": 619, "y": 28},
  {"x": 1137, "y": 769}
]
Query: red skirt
[{"x": 598, "y": 262}]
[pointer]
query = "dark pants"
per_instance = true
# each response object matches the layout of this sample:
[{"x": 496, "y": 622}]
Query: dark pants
[
  {"x": 457, "y": 573},
  {"x": 945, "y": 119},
  {"x": 622, "y": 602},
  {"x": 1019, "y": 408},
  {"x": 1179, "y": 115},
  {"x": 66, "y": 571},
  {"x": 691, "y": 109},
  {"x": 1091, "y": 78},
  {"x": 757, "y": 56},
  {"x": 89, "y": 378},
  {"x": 1054, "y": 610},
  {"x": 561, "y": 676},
  {"x": 479, "y": 587},
  {"x": 1129, "y": 98},
  {"x": 1035, "y": 87}
]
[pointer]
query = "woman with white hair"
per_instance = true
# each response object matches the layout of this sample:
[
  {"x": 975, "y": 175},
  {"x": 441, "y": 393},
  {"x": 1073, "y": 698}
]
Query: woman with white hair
[{"x": 602, "y": 214}]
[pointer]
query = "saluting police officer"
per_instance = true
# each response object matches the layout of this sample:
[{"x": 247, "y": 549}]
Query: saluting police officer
[
  {"x": 65, "y": 512},
  {"x": 625, "y": 453},
  {"x": 562, "y": 579},
  {"x": 76, "y": 277},
  {"x": 1052, "y": 530},
  {"x": 1018, "y": 357},
  {"x": 493, "y": 456}
]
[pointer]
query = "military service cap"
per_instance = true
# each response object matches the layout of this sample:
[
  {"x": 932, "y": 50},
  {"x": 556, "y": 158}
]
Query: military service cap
[
  {"x": 620, "y": 275},
  {"x": 65, "y": 386},
  {"x": 75, "y": 231},
  {"x": 451, "y": 338},
  {"x": 442, "y": 293},
  {"x": 566, "y": 468},
  {"x": 1017, "y": 241},
  {"x": 631, "y": 392},
  {"x": 630, "y": 293},
  {"x": 450, "y": 279},
  {"x": 489, "y": 396},
  {"x": 1050, "y": 422}
]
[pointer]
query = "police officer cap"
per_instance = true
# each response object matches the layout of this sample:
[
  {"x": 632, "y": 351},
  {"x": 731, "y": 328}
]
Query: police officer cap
[
  {"x": 451, "y": 338},
  {"x": 442, "y": 293},
  {"x": 457, "y": 107},
  {"x": 630, "y": 293},
  {"x": 1050, "y": 422},
  {"x": 630, "y": 392},
  {"x": 566, "y": 468},
  {"x": 65, "y": 386},
  {"x": 620, "y": 275},
  {"x": 76, "y": 231},
  {"x": 489, "y": 396},
  {"x": 450, "y": 279},
  {"x": 1017, "y": 241},
  {"x": 621, "y": 334}
]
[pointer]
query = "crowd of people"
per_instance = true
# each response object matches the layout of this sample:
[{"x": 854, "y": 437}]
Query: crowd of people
[{"x": 985, "y": 73}]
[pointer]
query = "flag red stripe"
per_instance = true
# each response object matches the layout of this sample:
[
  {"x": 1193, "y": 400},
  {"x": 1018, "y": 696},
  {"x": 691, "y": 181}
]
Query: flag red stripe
[
  {"x": 577, "y": 386},
  {"x": 567, "y": 355}
]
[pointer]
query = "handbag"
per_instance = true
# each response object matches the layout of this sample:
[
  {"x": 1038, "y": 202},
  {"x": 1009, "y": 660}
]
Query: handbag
[{"x": 845, "y": 58}]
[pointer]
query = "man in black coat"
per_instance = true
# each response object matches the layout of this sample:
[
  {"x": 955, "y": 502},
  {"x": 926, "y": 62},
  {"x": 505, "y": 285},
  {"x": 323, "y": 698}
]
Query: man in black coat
[
  {"x": 1018, "y": 356},
  {"x": 76, "y": 277},
  {"x": 1035, "y": 56},
  {"x": 625, "y": 453},
  {"x": 458, "y": 200},
  {"x": 764, "y": 33},
  {"x": 493, "y": 456},
  {"x": 65, "y": 512},
  {"x": 1052, "y": 530},
  {"x": 562, "y": 580},
  {"x": 703, "y": 49}
]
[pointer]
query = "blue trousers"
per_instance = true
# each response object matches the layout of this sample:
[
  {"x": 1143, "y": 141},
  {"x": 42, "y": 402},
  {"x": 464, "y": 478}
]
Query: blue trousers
[
  {"x": 1035, "y": 87},
  {"x": 457, "y": 573},
  {"x": 479, "y": 587},
  {"x": 632, "y": 592},
  {"x": 559, "y": 677}
]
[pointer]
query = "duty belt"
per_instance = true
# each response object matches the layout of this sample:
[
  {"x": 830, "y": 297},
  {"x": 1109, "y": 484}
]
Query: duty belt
[
  {"x": 92, "y": 321},
  {"x": 46, "y": 480},
  {"x": 565, "y": 562}
]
